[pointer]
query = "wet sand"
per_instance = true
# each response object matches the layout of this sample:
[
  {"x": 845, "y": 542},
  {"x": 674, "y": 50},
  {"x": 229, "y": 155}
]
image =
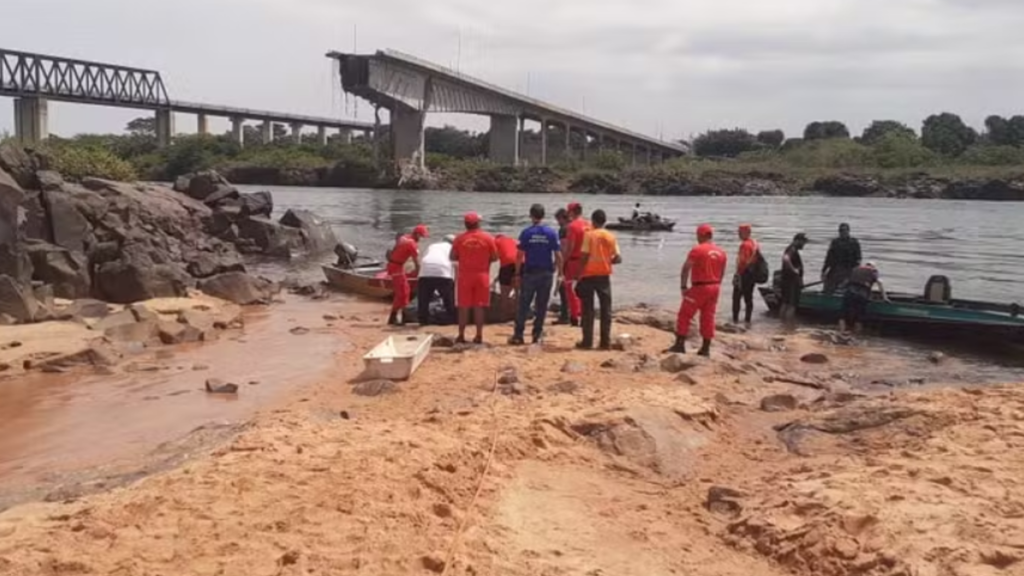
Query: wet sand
[{"x": 584, "y": 464}]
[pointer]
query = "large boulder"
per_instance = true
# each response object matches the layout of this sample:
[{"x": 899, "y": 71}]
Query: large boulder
[
  {"x": 13, "y": 260},
  {"x": 70, "y": 228},
  {"x": 66, "y": 271},
  {"x": 200, "y": 185},
  {"x": 137, "y": 276},
  {"x": 17, "y": 300},
  {"x": 37, "y": 223},
  {"x": 257, "y": 204},
  {"x": 18, "y": 164},
  {"x": 238, "y": 287},
  {"x": 208, "y": 263},
  {"x": 318, "y": 237},
  {"x": 221, "y": 194},
  {"x": 271, "y": 238}
]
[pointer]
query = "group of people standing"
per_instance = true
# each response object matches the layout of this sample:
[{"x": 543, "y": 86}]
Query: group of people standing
[{"x": 579, "y": 257}]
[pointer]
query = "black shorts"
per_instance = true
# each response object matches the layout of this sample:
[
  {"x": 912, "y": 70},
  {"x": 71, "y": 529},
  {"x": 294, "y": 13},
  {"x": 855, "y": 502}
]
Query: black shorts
[
  {"x": 791, "y": 288},
  {"x": 506, "y": 275},
  {"x": 855, "y": 307}
]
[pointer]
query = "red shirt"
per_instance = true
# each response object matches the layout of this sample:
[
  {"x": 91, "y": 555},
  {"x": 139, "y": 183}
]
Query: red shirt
[
  {"x": 707, "y": 264},
  {"x": 404, "y": 249},
  {"x": 578, "y": 229},
  {"x": 474, "y": 251},
  {"x": 748, "y": 249},
  {"x": 508, "y": 250}
]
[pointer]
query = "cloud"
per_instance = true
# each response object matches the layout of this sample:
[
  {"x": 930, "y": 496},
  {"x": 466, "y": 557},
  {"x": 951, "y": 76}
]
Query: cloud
[{"x": 655, "y": 66}]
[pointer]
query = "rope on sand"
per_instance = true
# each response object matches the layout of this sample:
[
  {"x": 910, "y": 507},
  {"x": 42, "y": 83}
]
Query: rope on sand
[{"x": 495, "y": 433}]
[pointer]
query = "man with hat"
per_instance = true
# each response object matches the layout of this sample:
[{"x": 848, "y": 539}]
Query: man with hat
[
  {"x": 406, "y": 248},
  {"x": 576, "y": 232},
  {"x": 700, "y": 283},
  {"x": 474, "y": 251},
  {"x": 792, "y": 279}
]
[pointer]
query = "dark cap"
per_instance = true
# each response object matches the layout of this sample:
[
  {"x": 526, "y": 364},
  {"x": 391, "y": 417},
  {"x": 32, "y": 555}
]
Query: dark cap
[{"x": 800, "y": 236}]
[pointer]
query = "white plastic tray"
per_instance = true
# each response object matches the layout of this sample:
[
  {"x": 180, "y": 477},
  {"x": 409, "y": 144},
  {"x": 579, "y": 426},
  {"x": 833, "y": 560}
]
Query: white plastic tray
[{"x": 397, "y": 357}]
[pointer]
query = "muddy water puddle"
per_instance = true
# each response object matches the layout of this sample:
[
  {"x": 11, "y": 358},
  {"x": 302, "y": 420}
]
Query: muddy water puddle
[{"x": 52, "y": 425}]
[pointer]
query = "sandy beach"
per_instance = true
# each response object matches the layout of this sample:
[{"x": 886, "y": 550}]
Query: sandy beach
[{"x": 551, "y": 461}]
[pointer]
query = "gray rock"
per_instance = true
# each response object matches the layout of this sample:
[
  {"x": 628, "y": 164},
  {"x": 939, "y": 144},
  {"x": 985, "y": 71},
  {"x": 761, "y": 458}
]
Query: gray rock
[
  {"x": 136, "y": 277},
  {"x": 66, "y": 271},
  {"x": 70, "y": 229},
  {"x": 124, "y": 327},
  {"x": 779, "y": 403},
  {"x": 814, "y": 358},
  {"x": 573, "y": 368},
  {"x": 676, "y": 363},
  {"x": 143, "y": 314},
  {"x": 936, "y": 357},
  {"x": 237, "y": 287},
  {"x": 177, "y": 333},
  {"x": 206, "y": 264},
  {"x": 218, "y": 386},
  {"x": 49, "y": 180},
  {"x": 687, "y": 379},
  {"x": 565, "y": 387},
  {"x": 257, "y": 204},
  {"x": 318, "y": 237},
  {"x": 88, "y": 308},
  {"x": 375, "y": 388},
  {"x": 271, "y": 238},
  {"x": 37, "y": 223},
  {"x": 508, "y": 376},
  {"x": 221, "y": 193},
  {"x": 17, "y": 300},
  {"x": 19, "y": 165},
  {"x": 202, "y": 184},
  {"x": 725, "y": 501}
]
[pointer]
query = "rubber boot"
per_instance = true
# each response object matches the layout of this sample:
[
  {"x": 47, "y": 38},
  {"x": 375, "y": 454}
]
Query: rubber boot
[
  {"x": 393, "y": 319},
  {"x": 705, "y": 349},
  {"x": 679, "y": 347}
]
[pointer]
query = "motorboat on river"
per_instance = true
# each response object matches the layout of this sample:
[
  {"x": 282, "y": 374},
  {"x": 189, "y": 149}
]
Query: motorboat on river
[{"x": 644, "y": 223}]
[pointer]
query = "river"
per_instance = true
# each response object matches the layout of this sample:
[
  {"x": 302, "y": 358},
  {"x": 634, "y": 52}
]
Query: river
[{"x": 976, "y": 244}]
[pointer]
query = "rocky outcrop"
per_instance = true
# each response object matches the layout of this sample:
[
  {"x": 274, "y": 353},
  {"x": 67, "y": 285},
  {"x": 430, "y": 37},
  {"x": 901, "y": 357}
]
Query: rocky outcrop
[
  {"x": 239, "y": 288},
  {"x": 317, "y": 235},
  {"x": 66, "y": 271}
]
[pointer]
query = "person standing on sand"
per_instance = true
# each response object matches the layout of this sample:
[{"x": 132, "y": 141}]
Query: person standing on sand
[
  {"x": 540, "y": 254},
  {"x": 508, "y": 254},
  {"x": 406, "y": 248},
  {"x": 792, "y": 279},
  {"x": 743, "y": 282},
  {"x": 562, "y": 217},
  {"x": 700, "y": 283},
  {"x": 843, "y": 256},
  {"x": 436, "y": 277},
  {"x": 600, "y": 252},
  {"x": 577, "y": 229},
  {"x": 474, "y": 251}
]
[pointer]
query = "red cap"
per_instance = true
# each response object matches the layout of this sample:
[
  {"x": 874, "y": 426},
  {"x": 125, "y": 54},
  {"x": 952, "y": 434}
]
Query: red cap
[
  {"x": 472, "y": 218},
  {"x": 574, "y": 207},
  {"x": 705, "y": 230},
  {"x": 746, "y": 228},
  {"x": 421, "y": 231}
]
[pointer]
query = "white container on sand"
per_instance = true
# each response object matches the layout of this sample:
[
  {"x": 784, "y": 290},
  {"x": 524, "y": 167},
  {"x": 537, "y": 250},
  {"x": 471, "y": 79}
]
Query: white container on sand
[{"x": 397, "y": 357}]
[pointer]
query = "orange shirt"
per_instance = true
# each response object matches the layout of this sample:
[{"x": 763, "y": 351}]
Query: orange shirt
[
  {"x": 404, "y": 249},
  {"x": 707, "y": 264},
  {"x": 508, "y": 250},
  {"x": 474, "y": 251},
  {"x": 601, "y": 247},
  {"x": 577, "y": 231},
  {"x": 748, "y": 249}
]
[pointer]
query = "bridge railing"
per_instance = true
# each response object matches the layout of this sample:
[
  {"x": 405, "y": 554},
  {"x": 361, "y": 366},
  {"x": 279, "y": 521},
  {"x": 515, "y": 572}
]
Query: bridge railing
[{"x": 26, "y": 74}]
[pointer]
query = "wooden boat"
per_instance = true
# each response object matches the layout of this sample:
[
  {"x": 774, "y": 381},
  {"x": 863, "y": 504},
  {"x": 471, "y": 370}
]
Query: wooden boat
[
  {"x": 630, "y": 225},
  {"x": 934, "y": 315},
  {"x": 370, "y": 281}
]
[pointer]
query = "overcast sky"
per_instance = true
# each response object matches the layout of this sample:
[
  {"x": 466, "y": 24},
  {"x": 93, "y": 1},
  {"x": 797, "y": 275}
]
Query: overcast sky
[{"x": 662, "y": 67}]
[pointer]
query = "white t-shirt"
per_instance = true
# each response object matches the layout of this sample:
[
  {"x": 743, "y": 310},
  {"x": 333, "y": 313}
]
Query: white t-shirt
[{"x": 437, "y": 262}]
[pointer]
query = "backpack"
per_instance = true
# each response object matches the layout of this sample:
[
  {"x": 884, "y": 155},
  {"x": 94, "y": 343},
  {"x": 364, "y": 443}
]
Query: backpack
[{"x": 759, "y": 269}]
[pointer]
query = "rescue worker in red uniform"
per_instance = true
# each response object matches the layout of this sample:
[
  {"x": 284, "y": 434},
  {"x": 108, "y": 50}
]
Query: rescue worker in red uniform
[
  {"x": 700, "y": 283},
  {"x": 474, "y": 251},
  {"x": 406, "y": 248},
  {"x": 576, "y": 231}
]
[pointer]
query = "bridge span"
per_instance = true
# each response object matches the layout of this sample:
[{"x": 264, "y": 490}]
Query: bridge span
[
  {"x": 35, "y": 79},
  {"x": 409, "y": 88}
]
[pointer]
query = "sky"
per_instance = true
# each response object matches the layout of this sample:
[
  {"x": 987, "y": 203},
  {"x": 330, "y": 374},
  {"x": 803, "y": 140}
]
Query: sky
[{"x": 666, "y": 68}]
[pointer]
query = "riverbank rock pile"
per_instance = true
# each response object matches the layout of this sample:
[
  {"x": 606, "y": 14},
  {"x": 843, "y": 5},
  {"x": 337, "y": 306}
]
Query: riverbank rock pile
[
  {"x": 128, "y": 242},
  {"x": 244, "y": 219},
  {"x": 921, "y": 186}
]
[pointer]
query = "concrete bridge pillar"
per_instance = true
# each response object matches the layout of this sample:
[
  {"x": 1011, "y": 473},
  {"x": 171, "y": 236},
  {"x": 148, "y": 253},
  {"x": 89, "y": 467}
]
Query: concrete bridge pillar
[
  {"x": 543, "y": 142},
  {"x": 345, "y": 135},
  {"x": 31, "y": 120},
  {"x": 164, "y": 127},
  {"x": 504, "y": 140},
  {"x": 321, "y": 135},
  {"x": 296, "y": 133},
  {"x": 238, "y": 131},
  {"x": 202, "y": 125},
  {"x": 407, "y": 136},
  {"x": 267, "y": 132},
  {"x": 568, "y": 141}
]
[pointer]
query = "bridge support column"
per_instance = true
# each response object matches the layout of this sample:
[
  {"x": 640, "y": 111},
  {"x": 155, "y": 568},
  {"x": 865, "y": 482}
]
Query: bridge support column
[
  {"x": 407, "y": 136},
  {"x": 202, "y": 125},
  {"x": 164, "y": 127},
  {"x": 296, "y": 133},
  {"x": 267, "y": 132},
  {"x": 632, "y": 160},
  {"x": 321, "y": 135},
  {"x": 504, "y": 140},
  {"x": 238, "y": 131},
  {"x": 31, "y": 120},
  {"x": 568, "y": 142},
  {"x": 345, "y": 135},
  {"x": 543, "y": 142}
]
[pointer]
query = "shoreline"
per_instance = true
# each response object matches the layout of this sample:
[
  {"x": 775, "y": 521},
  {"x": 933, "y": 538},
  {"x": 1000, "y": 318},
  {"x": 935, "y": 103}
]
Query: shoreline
[{"x": 584, "y": 461}]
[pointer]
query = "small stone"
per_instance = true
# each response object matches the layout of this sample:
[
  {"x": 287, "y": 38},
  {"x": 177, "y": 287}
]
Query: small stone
[
  {"x": 725, "y": 501},
  {"x": 330, "y": 318},
  {"x": 687, "y": 379},
  {"x": 218, "y": 386},
  {"x": 566, "y": 387},
  {"x": 289, "y": 558},
  {"x": 814, "y": 358},
  {"x": 142, "y": 367},
  {"x": 573, "y": 368},
  {"x": 508, "y": 376},
  {"x": 779, "y": 403},
  {"x": 623, "y": 342},
  {"x": 344, "y": 415},
  {"x": 433, "y": 562},
  {"x": 375, "y": 388},
  {"x": 731, "y": 329},
  {"x": 442, "y": 510},
  {"x": 442, "y": 341},
  {"x": 676, "y": 363},
  {"x": 612, "y": 363},
  {"x": 936, "y": 357},
  {"x": 299, "y": 331},
  {"x": 200, "y": 367}
]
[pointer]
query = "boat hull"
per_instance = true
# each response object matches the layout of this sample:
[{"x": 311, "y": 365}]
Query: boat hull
[
  {"x": 367, "y": 282},
  {"x": 629, "y": 226}
]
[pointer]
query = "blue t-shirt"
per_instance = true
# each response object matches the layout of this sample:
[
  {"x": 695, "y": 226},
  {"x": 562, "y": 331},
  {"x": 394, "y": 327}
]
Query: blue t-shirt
[{"x": 539, "y": 243}]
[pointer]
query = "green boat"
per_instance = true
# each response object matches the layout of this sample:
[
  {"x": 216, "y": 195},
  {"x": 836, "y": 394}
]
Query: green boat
[{"x": 933, "y": 311}]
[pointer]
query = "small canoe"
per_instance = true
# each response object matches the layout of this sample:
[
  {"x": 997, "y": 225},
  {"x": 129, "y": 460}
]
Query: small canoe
[
  {"x": 1003, "y": 321},
  {"x": 370, "y": 281},
  {"x": 628, "y": 225}
]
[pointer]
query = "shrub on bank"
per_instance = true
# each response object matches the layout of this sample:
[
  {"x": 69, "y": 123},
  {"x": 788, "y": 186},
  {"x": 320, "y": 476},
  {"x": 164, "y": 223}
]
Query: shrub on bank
[{"x": 76, "y": 162}]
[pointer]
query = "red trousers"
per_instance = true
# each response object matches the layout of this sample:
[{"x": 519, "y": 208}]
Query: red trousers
[
  {"x": 572, "y": 270},
  {"x": 703, "y": 299},
  {"x": 400, "y": 283}
]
